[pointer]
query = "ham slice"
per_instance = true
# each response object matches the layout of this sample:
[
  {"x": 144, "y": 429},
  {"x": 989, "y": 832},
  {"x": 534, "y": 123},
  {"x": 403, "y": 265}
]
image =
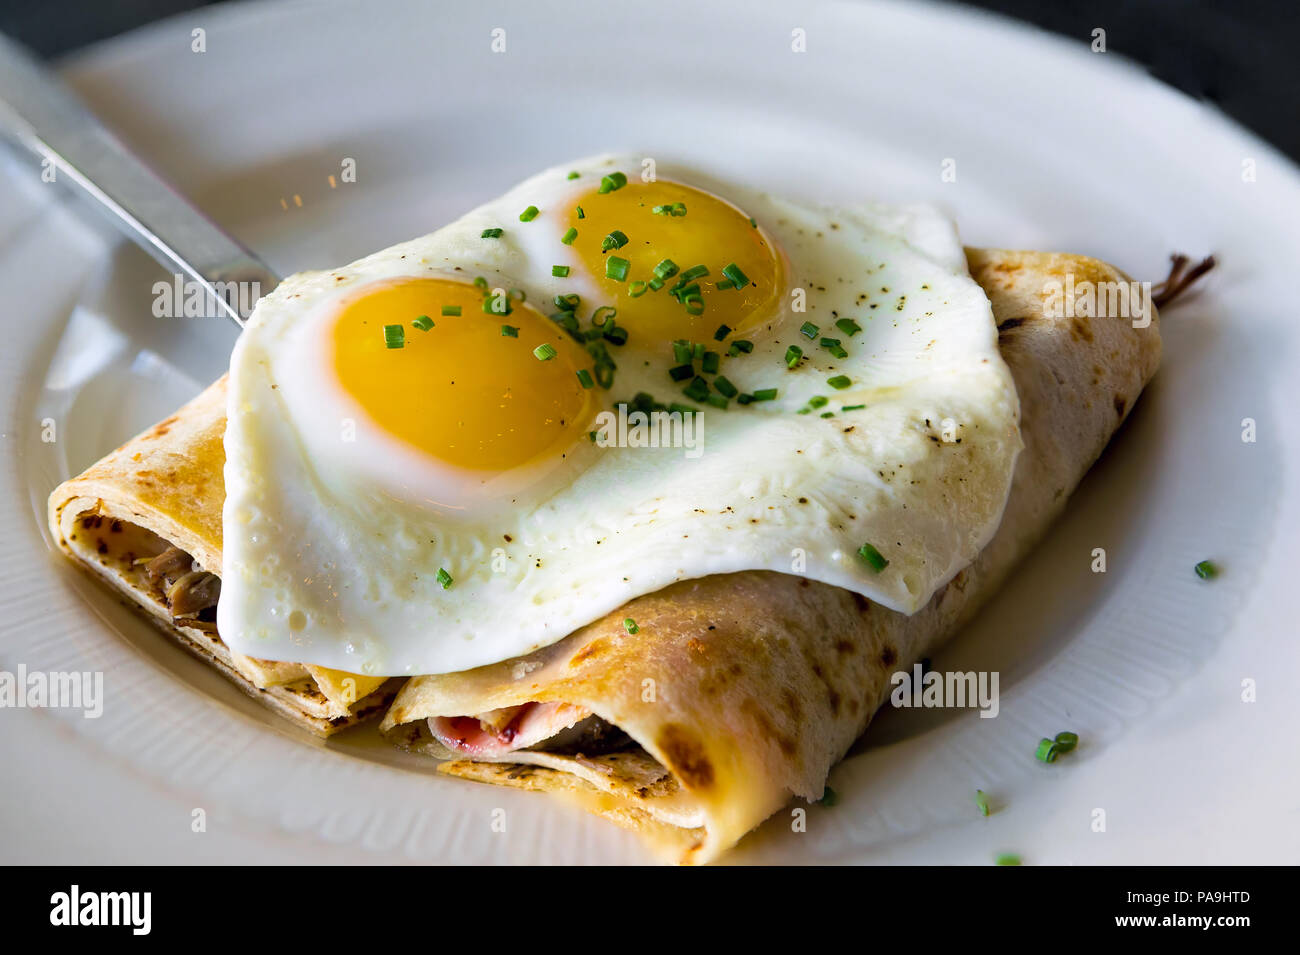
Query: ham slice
[{"x": 499, "y": 732}]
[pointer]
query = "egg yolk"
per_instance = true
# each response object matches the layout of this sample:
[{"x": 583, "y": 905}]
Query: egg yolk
[
  {"x": 627, "y": 233},
  {"x": 481, "y": 388}
]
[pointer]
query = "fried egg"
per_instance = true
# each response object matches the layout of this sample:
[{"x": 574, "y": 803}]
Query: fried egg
[{"x": 614, "y": 377}]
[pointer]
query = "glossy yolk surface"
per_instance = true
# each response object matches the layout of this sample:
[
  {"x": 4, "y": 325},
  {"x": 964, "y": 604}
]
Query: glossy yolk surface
[
  {"x": 712, "y": 233},
  {"x": 462, "y": 392}
]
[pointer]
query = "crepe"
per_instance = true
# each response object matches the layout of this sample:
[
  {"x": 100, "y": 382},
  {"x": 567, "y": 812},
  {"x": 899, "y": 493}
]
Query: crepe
[
  {"x": 738, "y": 691},
  {"x": 163, "y": 489}
]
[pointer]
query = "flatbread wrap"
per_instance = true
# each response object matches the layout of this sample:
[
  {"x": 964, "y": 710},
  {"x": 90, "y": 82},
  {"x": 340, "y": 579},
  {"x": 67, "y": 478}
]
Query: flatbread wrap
[
  {"x": 146, "y": 520},
  {"x": 692, "y": 714}
]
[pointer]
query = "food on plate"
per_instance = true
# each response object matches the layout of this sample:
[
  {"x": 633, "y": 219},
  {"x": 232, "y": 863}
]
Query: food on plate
[
  {"x": 648, "y": 483},
  {"x": 147, "y": 521},
  {"x": 761, "y": 681}
]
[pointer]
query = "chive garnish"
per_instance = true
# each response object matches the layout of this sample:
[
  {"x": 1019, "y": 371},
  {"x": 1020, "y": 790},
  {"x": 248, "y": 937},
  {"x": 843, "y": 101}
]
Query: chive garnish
[
  {"x": 604, "y": 316},
  {"x": 560, "y": 271},
  {"x": 1007, "y": 858},
  {"x": 852, "y": 407},
  {"x": 584, "y": 378},
  {"x": 1066, "y": 742},
  {"x": 683, "y": 352},
  {"x": 809, "y": 330},
  {"x": 615, "y": 240},
  {"x": 833, "y": 346},
  {"x": 738, "y": 278},
  {"x": 717, "y": 401},
  {"x": 818, "y": 401},
  {"x": 569, "y": 236},
  {"x": 615, "y": 180},
  {"x": 615, "y": 335},
  {"x": 848, "y": 326},
  {"x": 581, "y": 214},
  {"x": 711, "y": 362},
  {"x": 616, "y": 268},
  {"x": 529, "y": 214},
  {"x": 394, "y": 336},
  {"x": 444, "y": 578},
  {"x": 722, "y": 332},
  {"x": 573, "y": 175},
  {"x": 509, "y": 331},
  {"x": 681, "y": 372},
  {"x": 765, "y": 394},
  {"x": 666, "y": 269},
  {"x": 567, "y": 303},
  {"x": 792, "y": 355},
  {"x": 545, "y": 352},
  {"x": 740, "y": 346},
  {"x": 725, "y": 386},
  {"x": 423, "y": 323},
  {"x": 875, "y": 560},
  {"x": 982, "y": 802},
  {"x": 451, "y": 310},
  {"x": 481, "y": 284},
  {"x": 698, "y": 389},
  {"x": 839, "y": 382},
  {"x": 636, "y": 289},
  {"x": 655, "y": 284},
  {"x": 630, "y": 625},
  {"x": 1047, "y": 750},
  {"x": 1207, "y": 570},
  {"x": 492, "y": 233}
]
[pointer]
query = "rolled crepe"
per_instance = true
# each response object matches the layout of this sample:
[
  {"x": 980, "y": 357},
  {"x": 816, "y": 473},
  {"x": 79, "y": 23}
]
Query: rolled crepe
[
  {"x": 146, "y": 520},
  {"x": 738, "y": 691}
]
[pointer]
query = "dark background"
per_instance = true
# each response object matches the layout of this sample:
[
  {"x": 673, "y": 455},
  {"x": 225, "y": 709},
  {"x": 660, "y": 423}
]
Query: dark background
[{"x": 1243, "y": 56}]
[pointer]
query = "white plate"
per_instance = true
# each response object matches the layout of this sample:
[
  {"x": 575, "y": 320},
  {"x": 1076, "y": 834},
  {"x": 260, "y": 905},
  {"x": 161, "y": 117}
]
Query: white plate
[{"x": 1055, "y": 147}]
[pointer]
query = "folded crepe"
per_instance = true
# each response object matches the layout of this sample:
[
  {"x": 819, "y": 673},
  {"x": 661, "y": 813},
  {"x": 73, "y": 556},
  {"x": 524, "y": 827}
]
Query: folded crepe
[
  {"x": 738, "y": 691},
  {"x": 147, "y": 520}
]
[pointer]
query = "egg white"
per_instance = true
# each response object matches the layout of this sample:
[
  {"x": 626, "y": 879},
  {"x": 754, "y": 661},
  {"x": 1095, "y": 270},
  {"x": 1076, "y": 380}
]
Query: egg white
[{"x": 332, "y": 548}]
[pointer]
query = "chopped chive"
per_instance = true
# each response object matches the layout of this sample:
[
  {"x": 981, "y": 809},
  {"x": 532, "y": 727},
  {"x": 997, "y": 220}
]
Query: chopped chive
[
  {"x": 678, "y": 209},
  {"x": 636, "y": 289},
  {"x": 827, "y": 414},
  {"x": 765, "y": 394},
  {"x": 681, "y": 372},
  {"x": 697, "y": 351},
  {"x": 545, "y": 352},
  {"x": 581, "y": 214},
  {"x": 724, "y": 285},
  {"x": 717, "y": 401},
  {"x": 630, "y": 625},
  {"x": 875, "y": 560},
  {"x": 666, "y": 269},
  {"x": 615, "y": 335},
  {"x": 604, "y": 316},
  {"x": 744, "y": 399},
  {"x": 584, "y": 378},
  {"x": 481, "y": 284},
  {"x": 1047, "y": 750},
  {"x": 829, "y": 797},
  {"x": 497, "y": 305},
  {"x": 423, "y": 323},
  {"x": 655, "y": 284},
  {"x": 560, "y": 271},
  {"x": 615, "y": 240},
  {"x": 616, "y": 268},
  {"x": 853, "y": 407},
  {"x": 529, "y": 214},
  {"x": 809, "y": 330},
  {"x": 839, "y": 382},
  {"x": 753, "y": 223},
  {"x": 711, "y": 362},
  {"x": 444, "y": 578},
  {"x": 567, "y": 303},
  {"x": 694, "y": 305},
  {"x": 509, "y": 331},
  {"x": 615, "y": 180},
  {"x": 722, "y": 332},
  {"x": 697, "y": 390},
  {"x": 833, "y": 346},
  {"x": 1207, "y": 570},
  {"x": 394, "y": 336},
  {"x": 451, "y": 310},
  {"x": 573, "y": 175},
  {"x": 662, "y": 210},
  {"x": 725, "y": 387},
  {"x": 492, "y": 233},
  {"x": 792, "y": 355},
  {"x": 738, "y": 278},
  {"x": 569, "y": 236},
  {"x": 694, "y": 272},
  {"x": 682, "y": 351},
  {"x": 739, "y": 346},
  {"x": 1066, "y": 742},
  {"x": 982, "y": 802},
  {"x": 848, "y": 326},
  {"x": 1007, "y": 858},
  {"x": 818, "y": 401}
]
